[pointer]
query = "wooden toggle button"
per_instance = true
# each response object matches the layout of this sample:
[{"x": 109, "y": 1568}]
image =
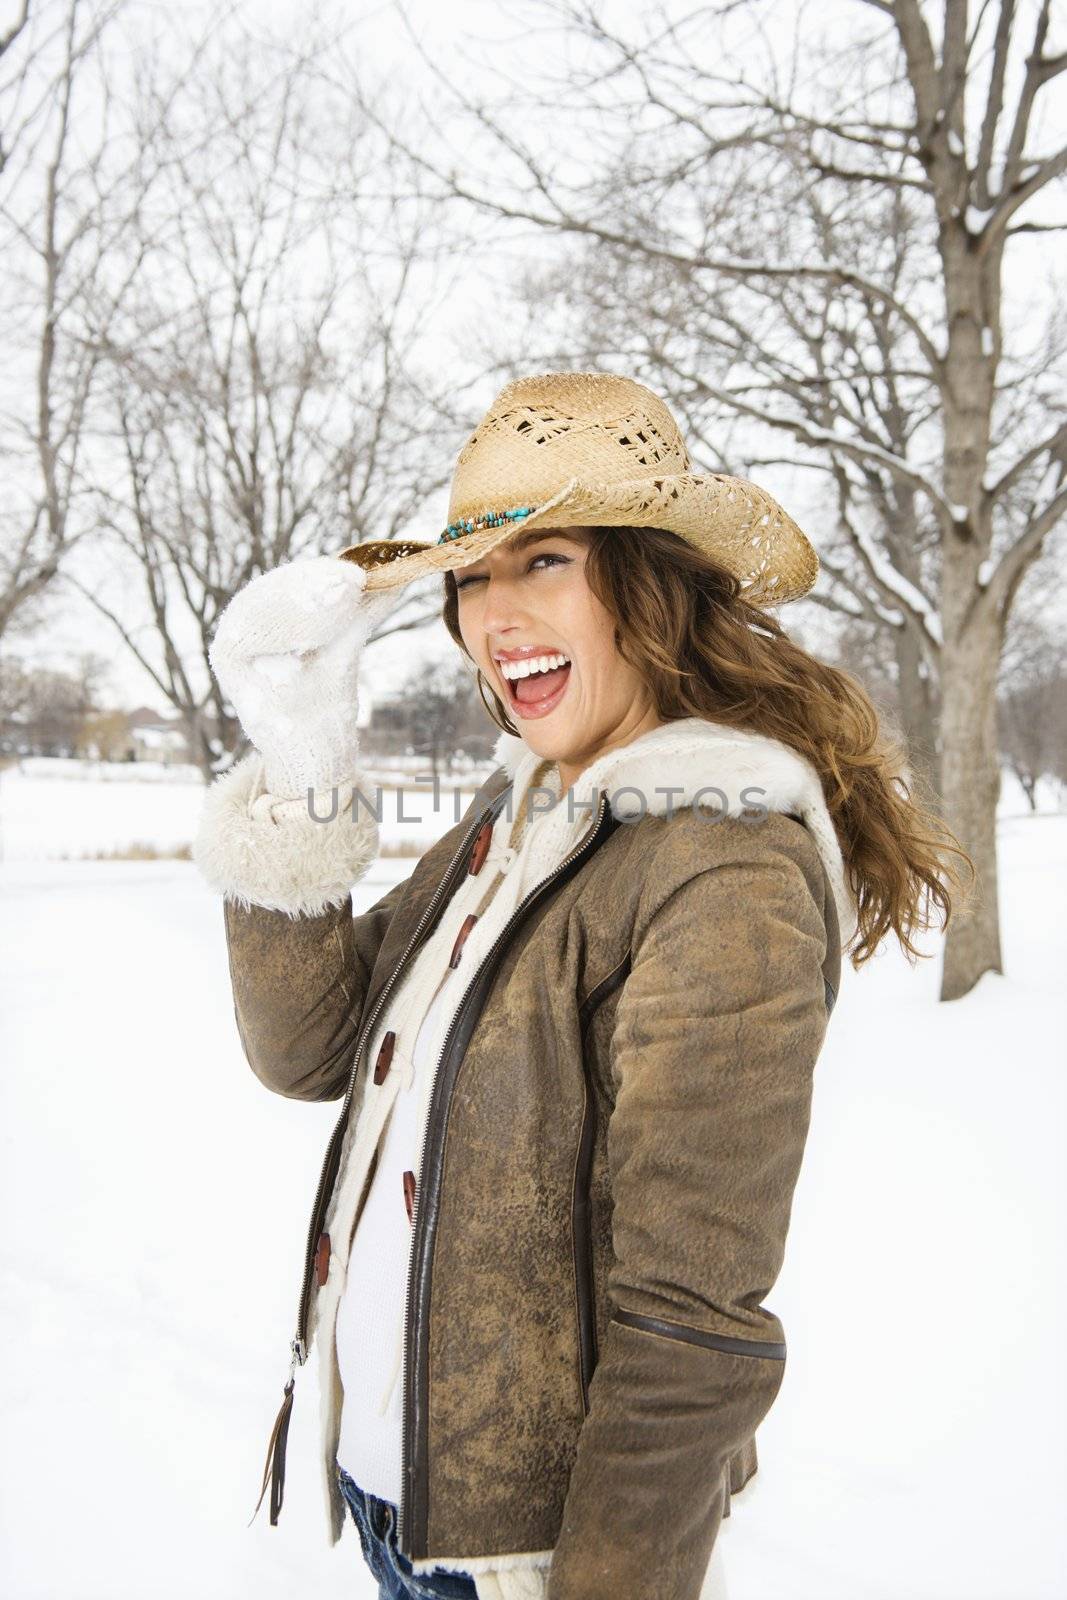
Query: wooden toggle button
[
  {"x": 409, "y": 1194},
  {"x": 461, "y": 939},
  {"x": 481, "y": 848},
  {"x": 322, "y": 1259},
  {"x": 385, "y": 1056}
]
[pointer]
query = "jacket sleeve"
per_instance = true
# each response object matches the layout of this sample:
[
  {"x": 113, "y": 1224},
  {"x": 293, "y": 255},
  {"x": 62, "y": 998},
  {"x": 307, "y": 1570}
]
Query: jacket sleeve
[
  {"x": 716, "y": 1035},
  {"x": 298, "y": 990},
  {"x": 300, "y": 963}
]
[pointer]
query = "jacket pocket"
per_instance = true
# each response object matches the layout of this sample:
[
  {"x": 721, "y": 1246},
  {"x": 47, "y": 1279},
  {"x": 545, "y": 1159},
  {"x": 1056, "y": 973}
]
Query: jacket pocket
[{"x": 765, "y": 1348}]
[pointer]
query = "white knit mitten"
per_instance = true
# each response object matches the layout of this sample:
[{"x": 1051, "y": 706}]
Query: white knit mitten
[{"x": 286, "y": 653}]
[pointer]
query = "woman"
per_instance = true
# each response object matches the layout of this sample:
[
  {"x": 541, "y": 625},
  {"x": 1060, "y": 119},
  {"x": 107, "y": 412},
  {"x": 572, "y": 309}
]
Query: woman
[{"x": 577, "y": 1044}]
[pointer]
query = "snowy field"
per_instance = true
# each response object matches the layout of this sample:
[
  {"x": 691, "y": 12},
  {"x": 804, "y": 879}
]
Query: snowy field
[
  {"x": 156, "y": 1198},
  {"x": 52, "y": 809}
]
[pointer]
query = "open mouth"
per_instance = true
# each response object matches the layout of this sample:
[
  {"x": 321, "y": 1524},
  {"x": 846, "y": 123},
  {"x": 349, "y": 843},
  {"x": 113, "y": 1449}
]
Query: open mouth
[{"x": 535, "y": 687}]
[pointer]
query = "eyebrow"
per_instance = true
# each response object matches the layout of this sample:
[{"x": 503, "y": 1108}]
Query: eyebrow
[{"x": 519, "y": 541}]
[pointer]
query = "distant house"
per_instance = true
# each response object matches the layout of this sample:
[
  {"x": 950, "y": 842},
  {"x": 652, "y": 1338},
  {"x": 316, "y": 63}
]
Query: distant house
[{"x": 152, "y": 737}]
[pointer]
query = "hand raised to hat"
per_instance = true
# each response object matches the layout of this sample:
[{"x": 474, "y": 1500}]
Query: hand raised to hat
[{"x": 286, "y": 654}]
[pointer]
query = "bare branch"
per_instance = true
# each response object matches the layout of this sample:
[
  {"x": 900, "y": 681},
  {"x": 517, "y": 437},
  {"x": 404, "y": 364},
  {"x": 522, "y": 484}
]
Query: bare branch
[
  {"x": 1041, "y": 174},
  {"x": 1054, "y": 445},
  {"x": 1014, "y": 564},
  {"x": 7, "y": 39},
  {"x": 994, "y": 103},
  {"x": 825, "y": 438},
  {"x": 564, "y": 222},
  {"x": 879, "y": 177},
  {"x": 1038, "y": 72},
  {"x": 924, "y": 77}
]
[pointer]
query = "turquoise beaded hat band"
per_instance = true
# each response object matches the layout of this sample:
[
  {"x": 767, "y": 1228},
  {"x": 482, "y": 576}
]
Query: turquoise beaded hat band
[
  {"x": 593, "y": 449},
  {"x": 489, "y": 519}
]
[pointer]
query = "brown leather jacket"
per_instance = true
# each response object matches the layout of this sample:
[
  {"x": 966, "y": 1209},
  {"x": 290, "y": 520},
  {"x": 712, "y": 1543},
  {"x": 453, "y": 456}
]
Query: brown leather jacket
[{"x": 615, "y": 1132}]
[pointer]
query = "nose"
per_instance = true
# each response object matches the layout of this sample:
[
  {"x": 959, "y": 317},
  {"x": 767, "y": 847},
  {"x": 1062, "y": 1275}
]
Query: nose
[{"x": 502, "y": 608}]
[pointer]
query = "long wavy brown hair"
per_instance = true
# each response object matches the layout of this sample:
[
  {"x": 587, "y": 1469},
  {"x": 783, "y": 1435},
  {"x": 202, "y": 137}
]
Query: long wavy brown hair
[{"x": 704, "y": 651}]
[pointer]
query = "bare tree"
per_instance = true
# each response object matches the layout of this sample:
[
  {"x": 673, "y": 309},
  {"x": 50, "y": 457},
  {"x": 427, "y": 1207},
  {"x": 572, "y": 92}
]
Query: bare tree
[
  {"x": 43, "y": 709},
  {"x": 263, "y": 399},
  {"x": 7, "y": 39},
  {"x": 696, "y": 147},
  {"x": 105, "y": 736},
  {"x": 1032, "y": 702},
  {"x": 67, "y": 190},
  {"x": 713, "y": 350},
  {"x": 1033, "y": 726},
  {"x": 438, "y": 699}
]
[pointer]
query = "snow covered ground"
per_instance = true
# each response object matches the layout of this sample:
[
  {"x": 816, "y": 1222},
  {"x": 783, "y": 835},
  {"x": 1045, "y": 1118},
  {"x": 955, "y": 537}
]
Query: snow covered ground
[
  {"x": 75, "y": 809},
  {"x": 155, "y": 1201}
]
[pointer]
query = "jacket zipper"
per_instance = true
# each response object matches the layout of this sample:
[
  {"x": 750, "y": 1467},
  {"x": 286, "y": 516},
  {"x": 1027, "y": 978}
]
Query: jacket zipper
[
  {"x": 406, "y": 1466},
  {"x": 298, "y": 1345}
]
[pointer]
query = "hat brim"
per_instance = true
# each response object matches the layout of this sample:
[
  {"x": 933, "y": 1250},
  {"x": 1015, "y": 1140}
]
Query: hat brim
[{"x": 733, "y": 521}]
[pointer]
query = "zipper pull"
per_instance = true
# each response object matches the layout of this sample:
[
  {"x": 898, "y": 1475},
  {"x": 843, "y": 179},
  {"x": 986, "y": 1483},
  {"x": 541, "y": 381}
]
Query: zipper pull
[{"x": 274, "y": 1467}]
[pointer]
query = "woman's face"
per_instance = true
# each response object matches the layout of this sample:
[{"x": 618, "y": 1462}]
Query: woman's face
[{"x": 528, "y": 600}]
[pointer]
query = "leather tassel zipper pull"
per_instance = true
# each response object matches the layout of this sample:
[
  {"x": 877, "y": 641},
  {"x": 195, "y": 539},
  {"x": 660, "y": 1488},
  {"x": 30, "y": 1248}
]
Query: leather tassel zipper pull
[
  {"x": 276, "y": 1457},
  {"x": 274, "y": 1466}
]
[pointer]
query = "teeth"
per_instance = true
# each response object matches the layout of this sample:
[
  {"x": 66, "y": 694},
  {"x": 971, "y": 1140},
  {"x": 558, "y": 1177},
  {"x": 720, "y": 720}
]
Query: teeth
[{"x": 523, "y": 669}]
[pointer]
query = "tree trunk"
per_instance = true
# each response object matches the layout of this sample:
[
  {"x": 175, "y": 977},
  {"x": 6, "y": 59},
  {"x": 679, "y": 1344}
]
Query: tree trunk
[
  {"x": 970, "y": 772},
  {"x": 973, "y": 629},
  {"x": 1028, "y": 780},
  {"x": 918, "y": 713}
]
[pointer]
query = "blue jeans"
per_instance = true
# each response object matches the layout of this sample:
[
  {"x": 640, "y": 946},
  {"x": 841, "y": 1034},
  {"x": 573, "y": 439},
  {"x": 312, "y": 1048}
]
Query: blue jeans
[{"x": 375, "y": 1521}]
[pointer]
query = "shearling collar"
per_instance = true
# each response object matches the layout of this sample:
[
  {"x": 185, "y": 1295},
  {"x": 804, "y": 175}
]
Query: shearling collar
[{"x": 693, "y": 760}]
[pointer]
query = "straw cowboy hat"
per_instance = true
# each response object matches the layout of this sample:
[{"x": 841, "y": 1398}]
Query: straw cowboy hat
[{"x": 569, "y": 449}]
